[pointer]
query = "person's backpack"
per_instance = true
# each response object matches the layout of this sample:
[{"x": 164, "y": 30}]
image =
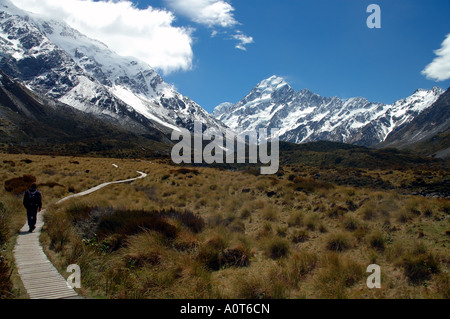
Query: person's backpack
[{"x": 33, "y": 199}]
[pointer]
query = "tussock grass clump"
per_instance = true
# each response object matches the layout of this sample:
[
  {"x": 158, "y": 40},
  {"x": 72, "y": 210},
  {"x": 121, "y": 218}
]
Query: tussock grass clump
[
  {"x": 412, "y": 206},
  {"x": 219, "y": 253},
  {"x": 245, "y": 212},
  {"x": 418, "y": 264},
  {"x": 338, "y": 242},
  {"x": 282, "y": 231},
  {"x": 368, "y": 213},
  {"x": 4, "y": 230},
  {"x": 336, "y": 275},
  {"x": 443, "y": 285},
  {"x": 259, "y": 284},
  {"x": 19, "y": 185},
  {"x": 59, "y": 229},
  {"x": 312, "y": 222},
  {"x": 237, "y": 256},
  {"x": 403, "y": 216},
  {"x": 143, "y": 249},
  {"x": 377, "y": 241},
  {"x": 336, "y": 212},
  {"x": 194, "y": 222},
  {"x": 5, "y": 268},
  {"x": 351, "y": 205},
  {"x": 295, "y": 219},
  {"x": 5, "y": 279},
  {"x": 276, "y": 247},
  {"x": 300, "y": 236},
  {"x": 301, "y": 264},
  {"x": 361, "y": 232},
  {"x": 446, "y": 207},
  {"x": 350, "y": 223},
  {"x": 270, "y": 213},
  {"x": 309, "y": 185}
]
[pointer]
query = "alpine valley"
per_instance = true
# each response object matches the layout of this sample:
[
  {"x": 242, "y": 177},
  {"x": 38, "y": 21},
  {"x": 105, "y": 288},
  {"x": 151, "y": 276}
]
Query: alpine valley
[{"x": 57, "y": 65}]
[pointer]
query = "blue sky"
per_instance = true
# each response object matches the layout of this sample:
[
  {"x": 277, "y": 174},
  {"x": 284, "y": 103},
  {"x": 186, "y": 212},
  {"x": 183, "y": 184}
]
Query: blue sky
[
  {"x": 216, "y": 51},
  {"x": 322, "y": 45}
]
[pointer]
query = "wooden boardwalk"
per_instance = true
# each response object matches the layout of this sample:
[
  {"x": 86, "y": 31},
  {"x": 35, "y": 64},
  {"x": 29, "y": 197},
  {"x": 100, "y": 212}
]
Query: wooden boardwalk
[{"x": 39, "y": 277}]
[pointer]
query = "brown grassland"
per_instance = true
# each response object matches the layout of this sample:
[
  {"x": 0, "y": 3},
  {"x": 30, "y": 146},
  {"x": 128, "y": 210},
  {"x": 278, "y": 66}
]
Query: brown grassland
[{"x": 213, "y": 233}]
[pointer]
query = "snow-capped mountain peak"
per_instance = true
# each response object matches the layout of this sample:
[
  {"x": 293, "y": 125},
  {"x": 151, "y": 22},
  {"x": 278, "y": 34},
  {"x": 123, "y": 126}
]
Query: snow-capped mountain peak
[
  {"x": 305, "y": 116},
  {"x": 52, "y": 58},
  {"x": 271, "y": 84}
]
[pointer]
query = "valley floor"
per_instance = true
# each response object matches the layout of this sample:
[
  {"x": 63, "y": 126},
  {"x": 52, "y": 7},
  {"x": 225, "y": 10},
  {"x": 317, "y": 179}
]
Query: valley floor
[{"x": 202, "y": 232}]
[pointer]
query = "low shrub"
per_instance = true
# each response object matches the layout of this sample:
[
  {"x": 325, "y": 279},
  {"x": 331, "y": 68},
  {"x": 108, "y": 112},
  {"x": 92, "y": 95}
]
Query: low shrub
[
  {"x": 19, "y": 185},
  {"x": 132, "y": 222}
]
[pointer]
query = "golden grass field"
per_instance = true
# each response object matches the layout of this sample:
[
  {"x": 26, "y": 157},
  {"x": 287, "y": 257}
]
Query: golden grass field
[{"x": 211, "y": 233}]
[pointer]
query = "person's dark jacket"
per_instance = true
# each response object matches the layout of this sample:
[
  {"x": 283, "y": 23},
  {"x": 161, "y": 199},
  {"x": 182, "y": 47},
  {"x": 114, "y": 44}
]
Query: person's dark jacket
[{"x": 32, "y": 200}]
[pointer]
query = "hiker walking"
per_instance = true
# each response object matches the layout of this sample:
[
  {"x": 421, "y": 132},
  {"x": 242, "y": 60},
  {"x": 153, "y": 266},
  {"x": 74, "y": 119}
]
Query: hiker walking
[{"x": 32, "y": 201}]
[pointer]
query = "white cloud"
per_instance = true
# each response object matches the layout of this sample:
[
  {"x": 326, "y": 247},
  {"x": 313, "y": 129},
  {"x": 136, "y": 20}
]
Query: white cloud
[
  {"x": 243, "y": 40},
  {"x": 147, "y": 34},
  {"x": 439, "y": 69},
  {"x": 207, "y": 12},
  {"x": 212, "y": 14}
]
